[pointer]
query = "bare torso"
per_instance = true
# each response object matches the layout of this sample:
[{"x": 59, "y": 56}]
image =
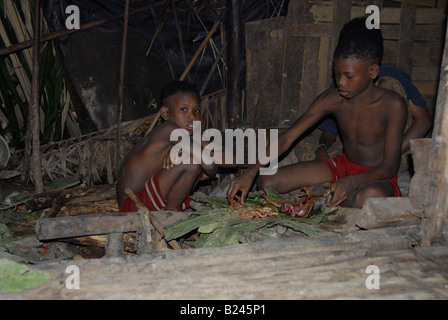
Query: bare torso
[
  {"x": 143, "y": 161},
  {"x": 365, "y": 124}
]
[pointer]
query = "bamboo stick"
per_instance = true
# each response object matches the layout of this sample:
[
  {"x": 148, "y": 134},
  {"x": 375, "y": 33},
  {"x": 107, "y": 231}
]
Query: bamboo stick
[
  {"x": 57, "y": 34},
  {"x": 198, "y": 52},
  {"x": 179, "y": 34}
]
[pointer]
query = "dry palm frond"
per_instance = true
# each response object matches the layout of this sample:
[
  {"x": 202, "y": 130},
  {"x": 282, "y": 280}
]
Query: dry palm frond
[{"x": 89, "y": 158}]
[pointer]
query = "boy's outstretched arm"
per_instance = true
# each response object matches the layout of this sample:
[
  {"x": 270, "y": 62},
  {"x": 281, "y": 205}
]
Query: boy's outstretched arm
[{"x": 316, "y": 111}]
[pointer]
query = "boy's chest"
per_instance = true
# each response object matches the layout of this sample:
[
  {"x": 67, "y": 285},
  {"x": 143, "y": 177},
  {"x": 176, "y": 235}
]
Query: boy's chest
[{"x": 369, "y": 120}]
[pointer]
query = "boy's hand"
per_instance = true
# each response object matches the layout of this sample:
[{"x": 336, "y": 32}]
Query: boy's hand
[
  {"x": 341, "y": 188},
  {"x": 321, "y": 152},
  {"x": 243, "y": 184},
  {"x": 167, "y": 163}
]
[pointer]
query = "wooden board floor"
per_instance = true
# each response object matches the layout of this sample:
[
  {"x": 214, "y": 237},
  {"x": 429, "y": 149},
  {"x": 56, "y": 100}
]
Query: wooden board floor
[{"x": 331, "y": 266}]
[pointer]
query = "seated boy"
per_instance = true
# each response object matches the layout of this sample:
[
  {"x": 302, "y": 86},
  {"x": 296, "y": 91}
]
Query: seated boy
[
  {"x": 371, "y": 122},
  {"x": 144, "y": 170},
  {"x": 392, "y": 78}
]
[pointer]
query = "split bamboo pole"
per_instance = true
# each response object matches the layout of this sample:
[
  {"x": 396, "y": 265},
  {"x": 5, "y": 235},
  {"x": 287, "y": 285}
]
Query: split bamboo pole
[
  {"x": 57, "y": 34},
  {"x": 121, "y": 86}
]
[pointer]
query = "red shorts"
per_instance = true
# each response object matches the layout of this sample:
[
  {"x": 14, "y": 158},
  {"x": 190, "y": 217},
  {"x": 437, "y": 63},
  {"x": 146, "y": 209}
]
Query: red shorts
[
  {"x": 151, "y": 197},
  {"x": 340, "y": 167}
]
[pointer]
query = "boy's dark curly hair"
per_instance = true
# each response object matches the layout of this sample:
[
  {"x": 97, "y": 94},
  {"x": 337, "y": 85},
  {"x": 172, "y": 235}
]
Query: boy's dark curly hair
[
  {"x": 358, "y": 41},
  {"x": 176, "y": 87}
]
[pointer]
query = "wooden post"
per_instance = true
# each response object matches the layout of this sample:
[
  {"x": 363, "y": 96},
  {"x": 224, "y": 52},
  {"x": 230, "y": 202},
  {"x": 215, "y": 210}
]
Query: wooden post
[
  {"x": 235, "y": 63},
  {"x": 437, "y": 208},
  {"x": 32, "y": 143},
  {"x": 114, "y": 245}
]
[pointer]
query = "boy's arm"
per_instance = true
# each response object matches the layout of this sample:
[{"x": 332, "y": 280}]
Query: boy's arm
[
  {"x": 186, "y": 150},
  {"x": 326, "y": 140},
  {"x": 315, "y": 112},
  {"x": 420, "y": 126},
  {"x": 391, "y": 160}
]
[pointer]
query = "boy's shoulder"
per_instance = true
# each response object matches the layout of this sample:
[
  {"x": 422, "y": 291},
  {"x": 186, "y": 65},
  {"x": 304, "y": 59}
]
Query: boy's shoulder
[
  {"x": 329, "y": 94},
  {"x": 164, "y": 129},
  {"x": 389, "y": 96}
]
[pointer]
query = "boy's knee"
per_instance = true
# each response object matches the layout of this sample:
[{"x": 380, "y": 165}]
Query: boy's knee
[
  {"x": 192, "y": 169},
  {"x": 264, "y": 181},
  {"x": 370, "y": 191}
]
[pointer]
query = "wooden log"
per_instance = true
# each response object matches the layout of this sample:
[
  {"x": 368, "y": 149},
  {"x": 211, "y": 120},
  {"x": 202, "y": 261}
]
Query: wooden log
[
  {"x": 73, "y": 196},
  {"x": 92, "y": 224},
  {"x": 386, "y": 212}
]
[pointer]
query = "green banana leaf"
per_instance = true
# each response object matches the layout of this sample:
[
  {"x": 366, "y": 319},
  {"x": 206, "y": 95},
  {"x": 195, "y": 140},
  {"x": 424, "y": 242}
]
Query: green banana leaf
[
  {"x": 16, "y": 277},
  {"x": 217, "y": 226}
]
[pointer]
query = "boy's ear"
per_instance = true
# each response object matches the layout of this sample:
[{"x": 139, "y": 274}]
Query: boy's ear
[
  {"x": 164, "y": 112},
  {"x": 374, "y": 70}
]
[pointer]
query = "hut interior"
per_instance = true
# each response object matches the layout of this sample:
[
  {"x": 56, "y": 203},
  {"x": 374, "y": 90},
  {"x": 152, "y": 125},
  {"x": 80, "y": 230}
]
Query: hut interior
[{"x": 79, "y": 88}]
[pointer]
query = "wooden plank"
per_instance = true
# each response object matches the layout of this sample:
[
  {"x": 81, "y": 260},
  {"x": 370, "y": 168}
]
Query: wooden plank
[
  {"x": 322, "y": 14},
  {"x": 432, "y": 53},
  {"x": 264, "y": 61},
  {"x": 293, "y": 50},
  {"x": 310, "y": 30},
  {"x": 341, "y": 15},
  {"x": 426, "y": 32},
  {"x": 310, "y": 76},
  {"x": 407, "y": 23},
  {"x": 428, "y": 73},
  {"x": 330, "y": 267}
]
